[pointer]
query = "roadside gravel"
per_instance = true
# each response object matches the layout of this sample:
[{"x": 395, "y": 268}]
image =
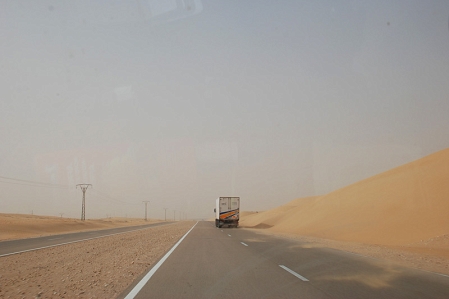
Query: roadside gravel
[{"x": 100, "y": 268}]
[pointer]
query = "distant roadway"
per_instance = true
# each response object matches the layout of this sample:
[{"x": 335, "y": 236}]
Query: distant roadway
[
  {"x": 30, "y": 244},
  {"x": 240, "y": 263}
]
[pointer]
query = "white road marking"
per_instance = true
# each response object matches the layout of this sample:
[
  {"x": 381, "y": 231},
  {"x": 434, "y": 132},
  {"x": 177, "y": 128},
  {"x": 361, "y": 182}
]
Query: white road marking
[
  {"x": 59, "y": 244},
  {"x": 221, "y": 230},
  {"x": 55, "y": 239},
  {"x": 441, "y": 274},
  {"x": 229, "y": 235},
  {"x": 153, "y": 270},
  {"x": 293, "y": 273},
  {"x": 244, "y": 244}
]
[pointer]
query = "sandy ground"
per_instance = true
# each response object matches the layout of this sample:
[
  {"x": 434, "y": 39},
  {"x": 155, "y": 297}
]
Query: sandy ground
[
  {"x": 19, "y": 226},
  {"x": 100, "y": 268},
  {"x": 400, "y": 215}
]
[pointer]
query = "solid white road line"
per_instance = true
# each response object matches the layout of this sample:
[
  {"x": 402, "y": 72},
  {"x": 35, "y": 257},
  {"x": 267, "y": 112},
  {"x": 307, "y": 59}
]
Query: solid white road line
[
  {"x": 153, "y": 270},
  {"x": 293, "y": 273},
  {"x": 59, "y": 244},
  {"x": 244, "y": 244}
]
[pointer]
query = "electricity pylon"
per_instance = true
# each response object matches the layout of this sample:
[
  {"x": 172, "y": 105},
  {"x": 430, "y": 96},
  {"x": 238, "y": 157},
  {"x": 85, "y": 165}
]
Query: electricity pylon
[
  {"x": 83, "y": 188},
  {"x": 146, "y": 203}
]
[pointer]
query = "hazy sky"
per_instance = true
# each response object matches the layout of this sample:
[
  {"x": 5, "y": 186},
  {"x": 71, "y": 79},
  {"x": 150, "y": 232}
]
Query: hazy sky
[{"x": 180, "y": 102}]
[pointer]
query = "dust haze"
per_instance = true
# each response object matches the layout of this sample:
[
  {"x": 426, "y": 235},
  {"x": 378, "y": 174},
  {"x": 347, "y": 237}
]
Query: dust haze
[{"x": 258, "y": 100}]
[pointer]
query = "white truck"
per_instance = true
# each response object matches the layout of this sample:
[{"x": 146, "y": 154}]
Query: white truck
[{"x": 227, "y": 211}]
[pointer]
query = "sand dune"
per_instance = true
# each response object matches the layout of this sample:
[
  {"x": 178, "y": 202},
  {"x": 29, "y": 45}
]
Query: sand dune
[
  {"x": 17, "y": 226},
  {"x": 403, "y": 206}
]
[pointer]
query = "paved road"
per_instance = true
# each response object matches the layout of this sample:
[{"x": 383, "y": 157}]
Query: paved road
[
  {"x": 15, "y": 246},
  {"x": 214, "y": 263}
]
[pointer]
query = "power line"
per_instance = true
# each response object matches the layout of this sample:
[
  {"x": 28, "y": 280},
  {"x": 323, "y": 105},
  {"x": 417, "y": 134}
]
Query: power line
[
  {"x": 15, "y": 181},
  {"x": 98, "y": 194},
  {"x": 22, "y": 184},
  {"x": 109, "y": 198}
]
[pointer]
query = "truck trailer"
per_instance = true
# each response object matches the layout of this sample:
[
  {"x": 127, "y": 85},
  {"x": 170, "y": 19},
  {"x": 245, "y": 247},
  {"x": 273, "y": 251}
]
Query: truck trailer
[{"x": 227, "y": 211}]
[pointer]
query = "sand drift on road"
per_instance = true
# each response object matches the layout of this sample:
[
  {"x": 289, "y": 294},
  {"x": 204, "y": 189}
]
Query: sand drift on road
[{"x": 405, "y": 208}]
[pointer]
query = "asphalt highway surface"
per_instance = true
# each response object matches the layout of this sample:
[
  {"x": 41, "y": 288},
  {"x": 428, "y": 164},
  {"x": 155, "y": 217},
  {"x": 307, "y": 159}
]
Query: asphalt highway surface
[
  {"x": 29, "y": 244},
  {"x": 241, "y": 263}
]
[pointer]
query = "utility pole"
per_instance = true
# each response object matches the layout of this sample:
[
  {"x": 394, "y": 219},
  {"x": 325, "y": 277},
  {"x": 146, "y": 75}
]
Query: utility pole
[
  {"x": 146, "y": 203},
  {"x": 165, "y": 219},
  {"x": 83, "y": 188}
]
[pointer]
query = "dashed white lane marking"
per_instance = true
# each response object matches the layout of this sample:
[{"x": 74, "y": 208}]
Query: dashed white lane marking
[
  {"x": 65, "y": 243},
  {"x": 147, "y": 277},
  {"x": 293, "y": 273},
  {"x": 229, "y": 235},
  {"x": 244, "y": 244},
  {"x": 55, "y": 239}
]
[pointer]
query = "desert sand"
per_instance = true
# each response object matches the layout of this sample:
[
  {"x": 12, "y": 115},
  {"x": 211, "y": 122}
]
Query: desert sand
[
  {"x": 404, "y": 209},
  {"x": 399, "y": 215},
  {"x": 19, "y": 226}
]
